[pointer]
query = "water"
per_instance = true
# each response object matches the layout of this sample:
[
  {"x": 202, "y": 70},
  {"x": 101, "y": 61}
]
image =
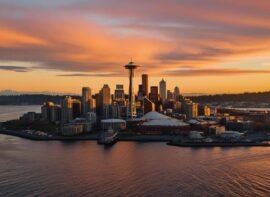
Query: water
[
  {"x": 8, "y": 112},
  {"x": 252, "y": 109},
  {"x": 83, "y": 168},
  {"x": 130, "y": 169}
]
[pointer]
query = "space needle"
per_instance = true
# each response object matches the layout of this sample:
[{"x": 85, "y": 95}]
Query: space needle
[{"x": 131, "y": 112}]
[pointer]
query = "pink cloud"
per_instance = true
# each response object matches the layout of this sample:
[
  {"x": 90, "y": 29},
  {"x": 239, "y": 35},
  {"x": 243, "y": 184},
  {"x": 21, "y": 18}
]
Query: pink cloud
[{"x": 103, "y": 36}]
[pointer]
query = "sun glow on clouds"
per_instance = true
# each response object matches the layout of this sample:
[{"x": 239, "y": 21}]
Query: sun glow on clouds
[
  {"x": 190, "y": 39},
  {"x": 11, "y": 38}
]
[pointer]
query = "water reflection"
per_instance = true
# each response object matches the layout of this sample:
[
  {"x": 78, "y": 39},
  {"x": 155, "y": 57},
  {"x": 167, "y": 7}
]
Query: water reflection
[{"x": 130, "y": 169}]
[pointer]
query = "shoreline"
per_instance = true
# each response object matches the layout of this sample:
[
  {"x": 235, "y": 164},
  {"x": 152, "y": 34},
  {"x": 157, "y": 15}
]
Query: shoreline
[
  {"x": 219, "y": 144},
  {"x": 92, "y": 137},
  {"x": 169, "y": 140}
]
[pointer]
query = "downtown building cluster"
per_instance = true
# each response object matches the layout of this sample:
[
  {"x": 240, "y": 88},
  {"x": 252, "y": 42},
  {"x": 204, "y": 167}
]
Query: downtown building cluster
[
  {"x": 124, "y": 111},
  {"x": 153, "y": 110}
]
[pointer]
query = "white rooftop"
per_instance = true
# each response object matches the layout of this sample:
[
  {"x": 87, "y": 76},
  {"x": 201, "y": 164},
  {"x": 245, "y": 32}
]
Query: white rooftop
[
  {"x": 155, "y": 116},
  {"x": 113, "y": 121},
  {"x": 157, "y": 119}
]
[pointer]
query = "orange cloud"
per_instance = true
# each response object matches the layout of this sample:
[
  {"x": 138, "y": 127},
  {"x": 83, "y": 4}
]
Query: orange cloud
[
  {"x": 213, "y": 72},
  {"x": 102, "y": 36},
  {"x": 11, "y": 38}
]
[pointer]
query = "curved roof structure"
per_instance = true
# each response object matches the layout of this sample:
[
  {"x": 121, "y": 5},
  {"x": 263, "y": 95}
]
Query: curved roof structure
[
  {"x": 155, "y": 116},
  {"x": 157, "y": 119},
  {"x": 113, "y": 121}
]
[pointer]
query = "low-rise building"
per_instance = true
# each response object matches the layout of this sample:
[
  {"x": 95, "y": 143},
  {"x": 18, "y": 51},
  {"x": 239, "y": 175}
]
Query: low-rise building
[
  {"x": 30, "y": 116},
  {"x": 239, "y": 125},
  {"x": 72, "y": 129},
  {"x": 262, "y": 117},
  {"x": 201, "y": 124},
  {"x": 115, "y": 124},
  {"x": 87, "y": 125},
  {"x": 231, "y": 135},
  {"x": 216, "y": 130},
  {"x": 51, "y": 112},
  {"x": 204, "y": 110},
  {"x": 190, "y": 109}
]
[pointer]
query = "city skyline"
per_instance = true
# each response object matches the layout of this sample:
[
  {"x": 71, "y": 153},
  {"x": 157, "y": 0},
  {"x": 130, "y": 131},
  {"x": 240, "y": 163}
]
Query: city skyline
[
  {"x": 211, "y": 47},
  {"x": 134, "y": 98}
]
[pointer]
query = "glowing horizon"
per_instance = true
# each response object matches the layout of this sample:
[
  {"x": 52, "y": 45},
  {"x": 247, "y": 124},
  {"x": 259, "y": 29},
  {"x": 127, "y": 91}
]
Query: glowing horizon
[{"x": 202, "y": 47}]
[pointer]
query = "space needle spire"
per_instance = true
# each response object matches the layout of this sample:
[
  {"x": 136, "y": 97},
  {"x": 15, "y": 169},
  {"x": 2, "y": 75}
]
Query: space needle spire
[{"x": 131, "y": 112}]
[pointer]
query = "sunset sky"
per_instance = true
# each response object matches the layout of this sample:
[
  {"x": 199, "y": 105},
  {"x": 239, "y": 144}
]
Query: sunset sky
[{"x": 202, "y": 46}]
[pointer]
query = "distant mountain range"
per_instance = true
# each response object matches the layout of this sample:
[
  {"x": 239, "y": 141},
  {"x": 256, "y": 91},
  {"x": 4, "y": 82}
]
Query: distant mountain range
[
  {"x": 10, "y": 97},
  {"x": 194, "y": 94},
  {"x": 259, "y": 97},
  {"x": 16, "y": 93}
]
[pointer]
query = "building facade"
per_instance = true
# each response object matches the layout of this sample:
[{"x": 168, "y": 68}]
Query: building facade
[
  {"x": 86, "y": 100},
  {"x": 145, "y": 85},
  {"x": 66, "y": 110},
  {"x": 162, "y": 90},
  {"x": 153, "y": 95},
  {"x": 119, "y": 92},
  {"x": 103, "y": 99},
  {"x": 148, "y": 105}
]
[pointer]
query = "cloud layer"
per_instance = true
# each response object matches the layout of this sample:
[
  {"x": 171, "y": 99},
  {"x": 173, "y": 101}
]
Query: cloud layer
[
  {"x": 15, "y": 68},
  {"x": 99, "y": 37}
]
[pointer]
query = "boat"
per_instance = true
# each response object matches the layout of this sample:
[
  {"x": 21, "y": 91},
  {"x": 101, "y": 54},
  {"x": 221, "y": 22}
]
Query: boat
[{"x": 108, "y": 137}]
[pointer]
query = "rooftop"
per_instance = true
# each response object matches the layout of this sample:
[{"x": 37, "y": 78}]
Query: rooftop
[
  {"x": 157, "y": 119},
  {"x": 155, "y": 116},
  {"x": 113, "y": 121}
]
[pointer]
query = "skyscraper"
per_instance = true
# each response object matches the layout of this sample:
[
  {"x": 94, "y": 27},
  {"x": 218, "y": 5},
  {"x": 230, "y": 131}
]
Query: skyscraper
[
  {"x": 131, "y": 98},
  {"x": 103, "y": 99},
  {"x": 119, "y": 92},
  {"x": 66, "y": 111},
  {"x": 86, "y": 97},
  {"x": 145, "y": 86},
  {"x": 140, "y": 93},
  {"x": 176, "y": 93},
  {"x": 190, "y": 109},
  {"x": 111, "y": 111},
  {"x": 153, "y": 95},
  {"x": 162, "y": 89},
  {"x": 105, "y": 95},
  {"x": 169, "y": 95},
  {"x": 76, "y": 108},
  {"x": 148, "y": 105}
]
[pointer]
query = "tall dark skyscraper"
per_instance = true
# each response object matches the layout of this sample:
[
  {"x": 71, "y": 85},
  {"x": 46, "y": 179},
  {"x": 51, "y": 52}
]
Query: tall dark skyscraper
[
  {"x": 176, "y": 93},
  {"x": 76, "y": 108},
  {"x": 154, "y": 96},
  {"x": 145, "y": 86}
]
